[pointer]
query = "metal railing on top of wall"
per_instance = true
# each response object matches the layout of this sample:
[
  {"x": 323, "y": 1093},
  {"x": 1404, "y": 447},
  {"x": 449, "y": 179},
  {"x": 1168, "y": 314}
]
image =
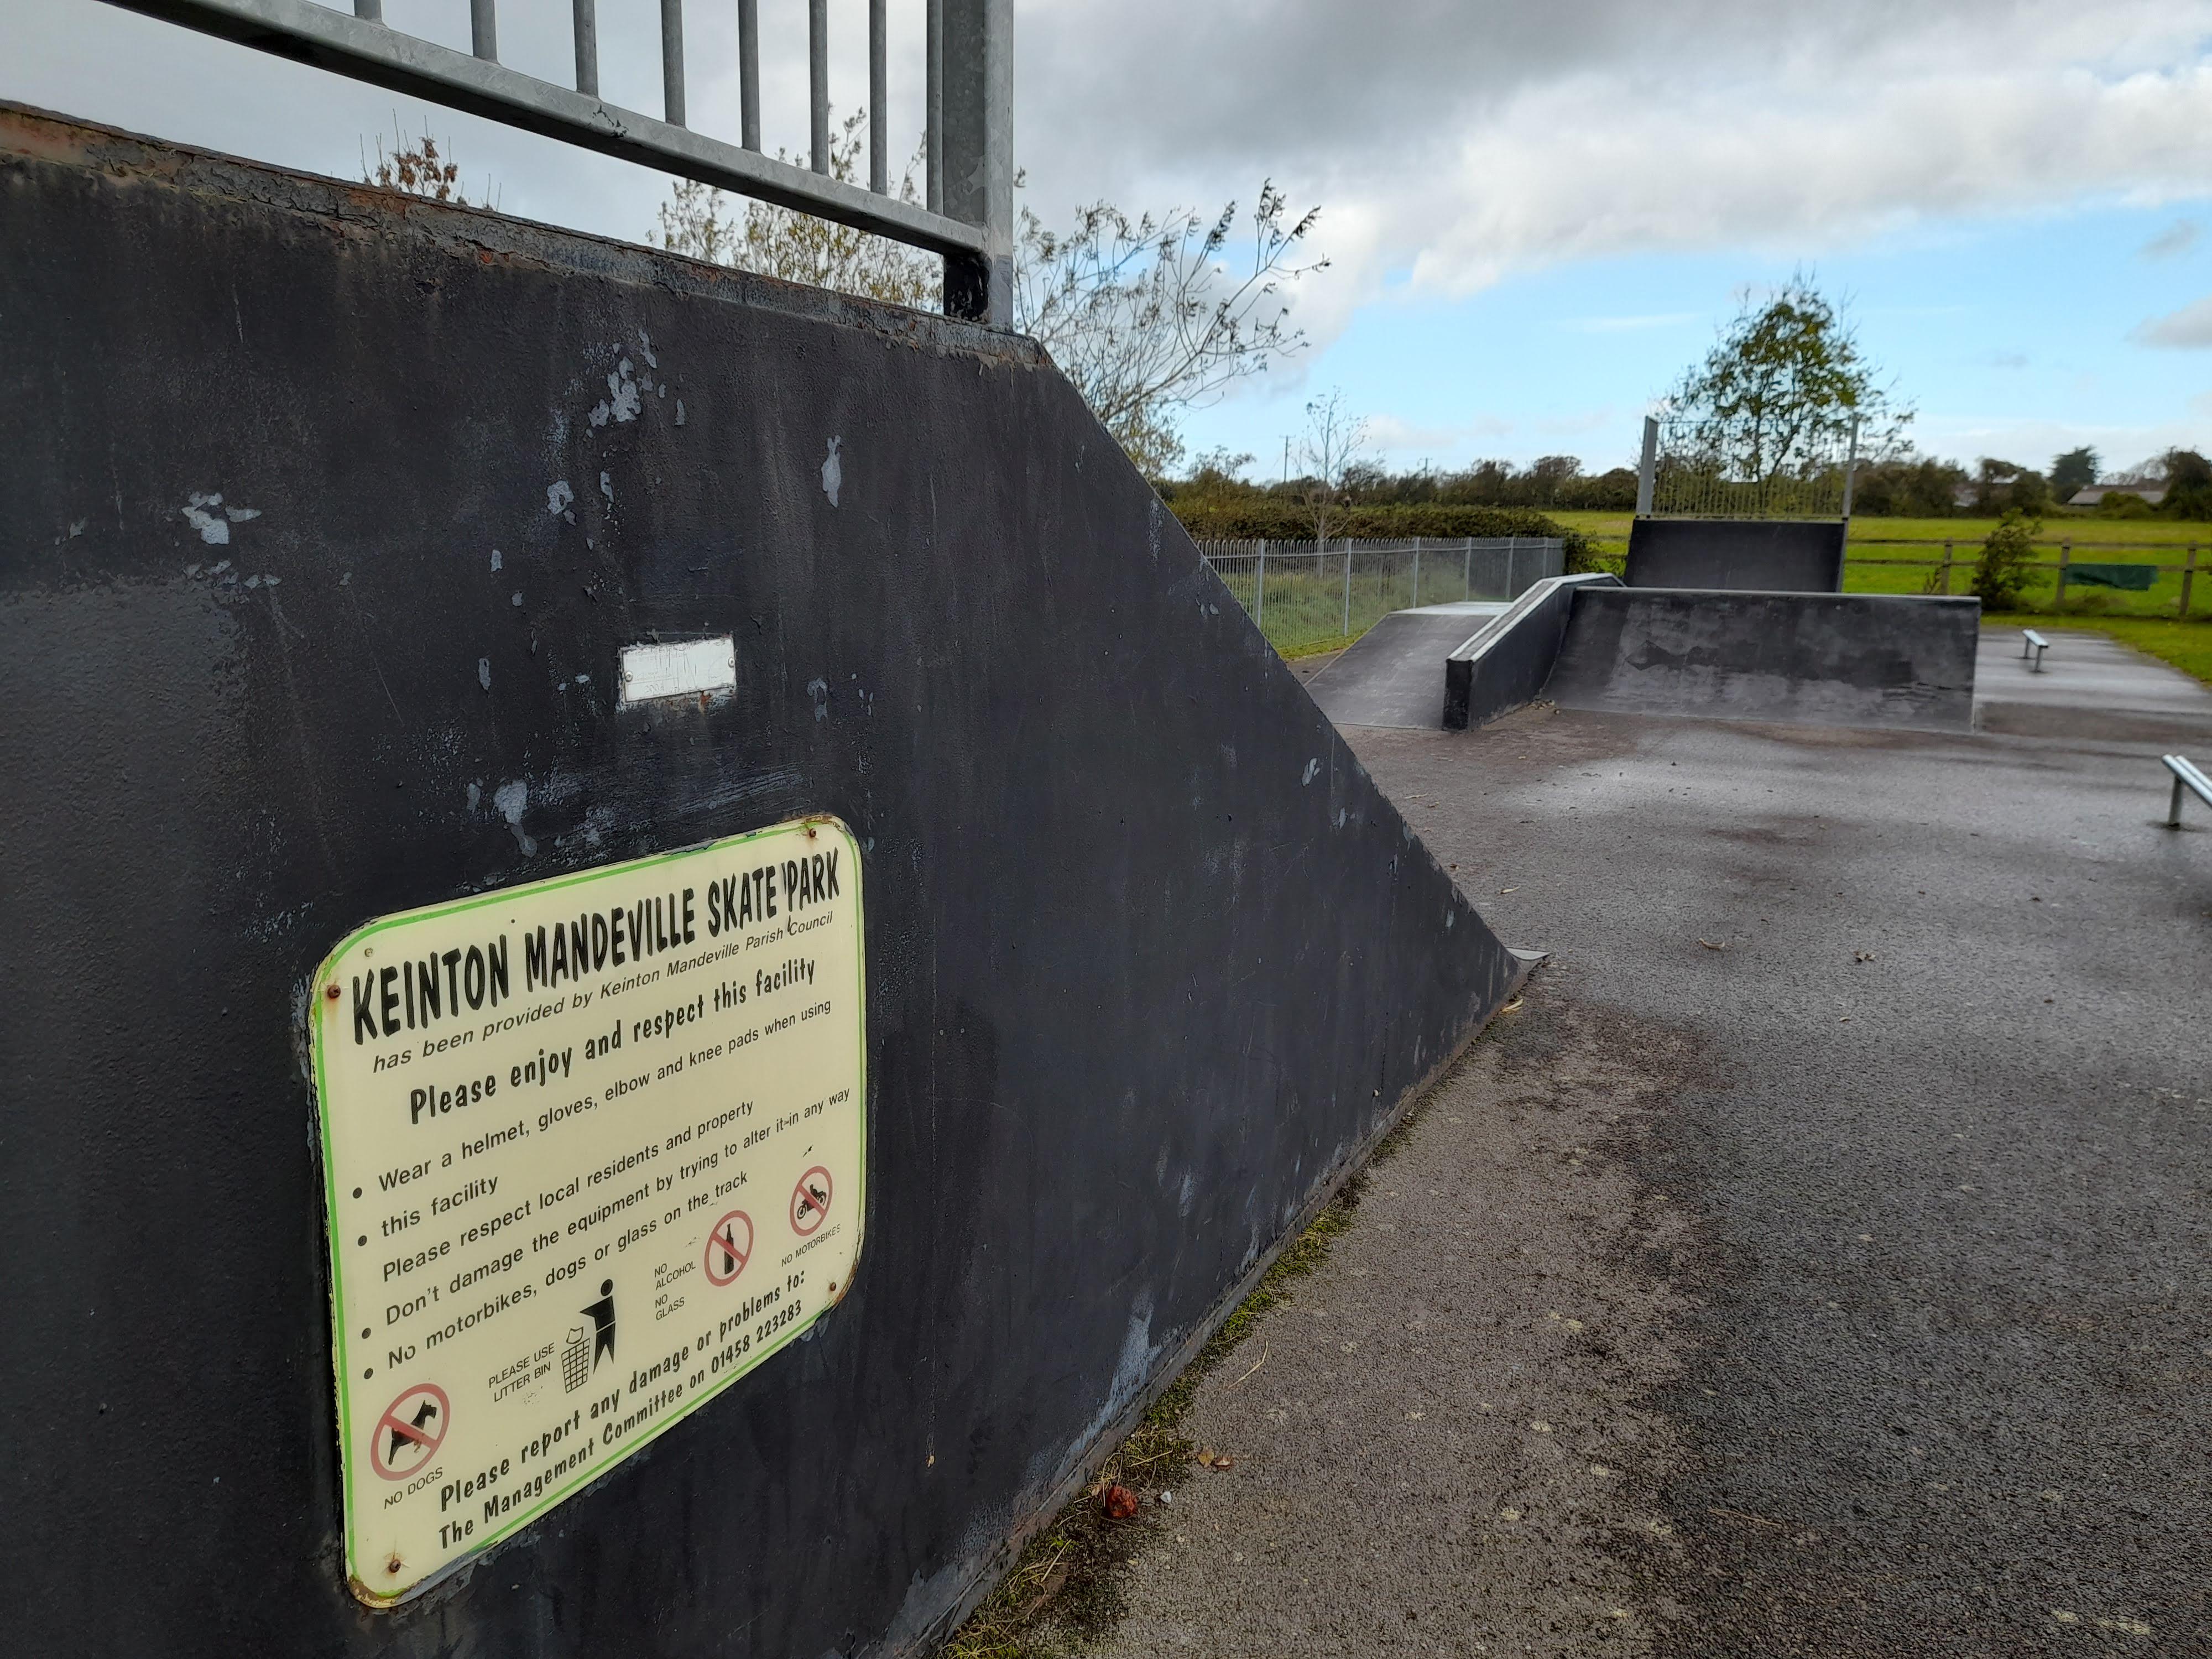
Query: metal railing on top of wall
[{"x": 967, "y": 215}]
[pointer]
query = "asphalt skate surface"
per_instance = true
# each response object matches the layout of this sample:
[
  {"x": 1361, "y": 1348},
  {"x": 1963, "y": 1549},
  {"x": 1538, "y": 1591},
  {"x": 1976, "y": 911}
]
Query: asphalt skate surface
[{"x": 1814, "y": 1263}]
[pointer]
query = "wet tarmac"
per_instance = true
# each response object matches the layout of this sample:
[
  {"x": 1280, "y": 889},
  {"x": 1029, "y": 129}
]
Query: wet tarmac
[{"x": 1862, "y": 1125}]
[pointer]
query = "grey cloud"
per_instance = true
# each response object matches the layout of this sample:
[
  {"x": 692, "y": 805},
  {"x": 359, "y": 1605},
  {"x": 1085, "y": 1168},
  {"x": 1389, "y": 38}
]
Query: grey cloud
[
  {"x": 2189, "y": 329},
  {"x": 2176, "y": 238}
]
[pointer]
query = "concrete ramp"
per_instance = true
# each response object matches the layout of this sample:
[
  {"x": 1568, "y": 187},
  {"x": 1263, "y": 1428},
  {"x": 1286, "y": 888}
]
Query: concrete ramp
[
  {"x": 1813, "y": 659},
  {"x": 1387, "y": 677}
]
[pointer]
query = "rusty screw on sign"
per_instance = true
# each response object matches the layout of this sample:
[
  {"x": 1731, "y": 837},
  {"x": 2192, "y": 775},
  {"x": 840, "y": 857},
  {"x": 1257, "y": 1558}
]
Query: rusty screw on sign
[{"x": 331, "y": 991}]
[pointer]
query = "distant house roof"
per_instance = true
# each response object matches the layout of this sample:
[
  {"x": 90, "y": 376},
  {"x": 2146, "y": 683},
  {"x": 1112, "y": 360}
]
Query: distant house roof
[{"x": 2152, "y": 494}]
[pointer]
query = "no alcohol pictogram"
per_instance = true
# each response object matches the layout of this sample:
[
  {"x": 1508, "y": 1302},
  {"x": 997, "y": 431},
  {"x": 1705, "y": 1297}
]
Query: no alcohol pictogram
[
  {"x": 408, "y": 1436},
  {"x": 810, "y": 1201},
  {"x": 729, "y": 1247}
]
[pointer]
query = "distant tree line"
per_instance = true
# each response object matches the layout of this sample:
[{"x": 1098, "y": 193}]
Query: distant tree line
[
  {"x": 1910, "y": 485},
  {"x": 1554, "y": 482}
]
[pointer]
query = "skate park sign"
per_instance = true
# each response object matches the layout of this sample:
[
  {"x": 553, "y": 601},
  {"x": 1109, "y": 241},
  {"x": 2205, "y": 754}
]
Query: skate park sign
[{"x": 593, "y": 1149}]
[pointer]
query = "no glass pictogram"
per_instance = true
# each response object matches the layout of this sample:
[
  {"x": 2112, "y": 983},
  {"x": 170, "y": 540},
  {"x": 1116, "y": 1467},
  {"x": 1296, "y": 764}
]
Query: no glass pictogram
[
  {"x": 810, "y": 1201},
  {"x": 410, "y": 1432},
  {"x": 729, "y": 1247}
]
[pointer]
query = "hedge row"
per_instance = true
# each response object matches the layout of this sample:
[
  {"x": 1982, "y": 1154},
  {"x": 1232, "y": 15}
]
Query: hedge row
[{"x": 1278, "y": 521}]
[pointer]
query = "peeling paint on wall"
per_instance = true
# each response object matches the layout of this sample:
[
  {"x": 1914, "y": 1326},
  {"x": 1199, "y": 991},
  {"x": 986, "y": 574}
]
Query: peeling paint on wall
[
  {"x": 510, "y": 799},
  {"x": 833, "y": 472},
  {"x": 213, "y": 531}
]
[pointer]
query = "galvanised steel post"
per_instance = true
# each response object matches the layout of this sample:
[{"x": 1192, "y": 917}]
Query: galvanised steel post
[
  {"x": 1647, "y": 470},
  {"x": 1851, "y": 469},
  {"x": 978, "y": 90}
]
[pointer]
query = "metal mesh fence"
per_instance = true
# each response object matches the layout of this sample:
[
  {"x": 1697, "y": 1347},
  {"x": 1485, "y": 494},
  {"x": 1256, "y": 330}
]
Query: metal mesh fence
[
  {"x": 1305, "y": 593},
  {"x": 1703, "y": 470}
]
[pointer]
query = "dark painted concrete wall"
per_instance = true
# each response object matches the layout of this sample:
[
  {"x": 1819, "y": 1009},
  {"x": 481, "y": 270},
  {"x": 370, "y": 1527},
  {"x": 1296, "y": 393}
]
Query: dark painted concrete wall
[
  {"x": 1759, "y": 555},
  {"x": 1148, "y": 954},
  {"x": 1821, "y": 659}
]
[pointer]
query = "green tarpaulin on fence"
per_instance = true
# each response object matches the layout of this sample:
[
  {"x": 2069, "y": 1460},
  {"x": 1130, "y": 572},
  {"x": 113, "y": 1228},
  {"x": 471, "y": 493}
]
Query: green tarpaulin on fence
[{"x": 2136, "y": 578}]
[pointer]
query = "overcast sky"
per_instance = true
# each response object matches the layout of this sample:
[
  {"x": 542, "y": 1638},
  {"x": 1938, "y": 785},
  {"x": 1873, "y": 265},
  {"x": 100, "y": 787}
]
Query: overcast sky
[{"x": 1534, "y": 214}]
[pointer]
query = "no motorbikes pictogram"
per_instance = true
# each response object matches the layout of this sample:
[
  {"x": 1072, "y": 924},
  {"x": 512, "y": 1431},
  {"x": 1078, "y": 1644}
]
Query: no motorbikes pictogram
[{"x": 810, "y": 1201}]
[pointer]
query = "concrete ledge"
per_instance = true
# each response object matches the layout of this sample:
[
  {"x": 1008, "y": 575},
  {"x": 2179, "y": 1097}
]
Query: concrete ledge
[{"x": 1815, "y": 659}]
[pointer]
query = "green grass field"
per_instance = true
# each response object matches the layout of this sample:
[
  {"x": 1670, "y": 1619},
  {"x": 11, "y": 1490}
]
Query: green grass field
[
  {"x": 2104, "y": 541},
  {"x": 2186, "y": 644}
]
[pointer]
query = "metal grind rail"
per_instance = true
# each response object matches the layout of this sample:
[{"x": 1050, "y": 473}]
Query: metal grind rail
[
  {"x": 967, "y": 215},
  {"x": 2186, "y": 776}
]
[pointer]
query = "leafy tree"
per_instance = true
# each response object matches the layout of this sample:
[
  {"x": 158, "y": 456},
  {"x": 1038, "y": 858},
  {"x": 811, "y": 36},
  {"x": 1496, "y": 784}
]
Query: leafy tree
[
  {"x": 2002, "y": 572},
  {"x": 1909, "y": 486},
  {"x": 2074, "y": 471},
  {"x": 2188, "y": 485},
  {"x": 1152, "y": 316},
  {"x": 799, "y": 247},
  {"x": 1777, "y": 394},
  {"x": 2005, "y": 486},
  {"x": 1149, "y": 317}
]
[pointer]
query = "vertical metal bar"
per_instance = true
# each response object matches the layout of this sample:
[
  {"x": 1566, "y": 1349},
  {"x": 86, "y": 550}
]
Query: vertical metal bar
[
  {"x": 932, "y": 108},
  {"x": 1467, "y": 575},
  {"x": 671, "y": 62},
  {"x": 369, "y": 11},
  {"x": 2065, "y": 558},
  {"x": 1417, "y": 573},
  {"x": 749, "y": 74},
  {"x": 587, "y": 46},
  {"x": 1647, "y": 469},
  {"x": 1946, "y": 567},
  {"x": 2173, "y": 806},
  {"x": 1260, "y": 590},
  {"x": 817, "y": 80},
  {"x": 978, "y": 94},
  {"x": 2188, "y": 580},
  {"x": 1851, "y": 472},
  {"x": 879, "y": 115},
  {"x": 1347, "y": 590},
  {"x": 483, "y": 28}
]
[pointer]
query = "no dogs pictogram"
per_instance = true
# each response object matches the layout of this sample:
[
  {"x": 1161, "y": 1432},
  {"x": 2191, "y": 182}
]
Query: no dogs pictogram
[
  {"x": 410, "y": 1432},
  {"x": 729, "y": 1247},
  {"x": 810, "y": 1201}
]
